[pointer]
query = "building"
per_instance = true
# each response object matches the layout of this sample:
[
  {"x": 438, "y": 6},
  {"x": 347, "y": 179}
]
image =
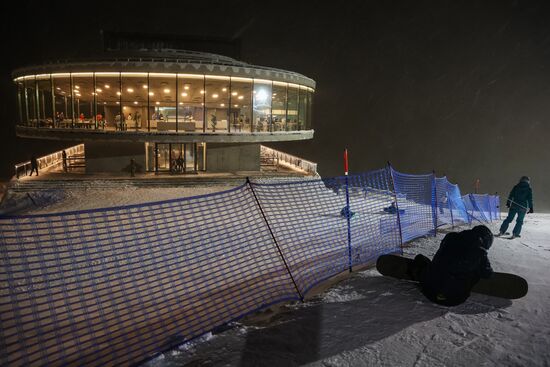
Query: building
[{"x": 178, "y": 111}]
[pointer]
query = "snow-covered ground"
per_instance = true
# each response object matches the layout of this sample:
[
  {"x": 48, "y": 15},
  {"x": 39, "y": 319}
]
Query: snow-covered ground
[
  {"x": 370, "y": 320},
  {"x": 96, "y": 196}
]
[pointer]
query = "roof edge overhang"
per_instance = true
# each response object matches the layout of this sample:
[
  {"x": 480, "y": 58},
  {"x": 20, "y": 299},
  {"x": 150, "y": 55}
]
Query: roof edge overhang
[
  {"x": 160, "y": 137},
  {"x": 167, "y": 66}
]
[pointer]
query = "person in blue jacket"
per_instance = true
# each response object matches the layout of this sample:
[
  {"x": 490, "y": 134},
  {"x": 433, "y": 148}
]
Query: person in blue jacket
[
  {"x": 457, "y": 266},
  {"x": 520, "y": 202}
]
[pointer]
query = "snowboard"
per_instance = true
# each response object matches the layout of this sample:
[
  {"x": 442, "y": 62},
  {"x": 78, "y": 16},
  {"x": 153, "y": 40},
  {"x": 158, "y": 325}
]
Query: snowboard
[{"x": 503, "y": 285}]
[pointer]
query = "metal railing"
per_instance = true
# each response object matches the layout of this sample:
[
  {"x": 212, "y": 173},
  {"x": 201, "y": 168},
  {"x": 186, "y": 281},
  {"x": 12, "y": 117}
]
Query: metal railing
[
  {"x": 280, "y": 158},
  {"x": 50, "y": 160}
]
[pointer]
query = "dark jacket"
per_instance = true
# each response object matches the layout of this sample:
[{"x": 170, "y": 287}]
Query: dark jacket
[
  {"x": 522, "y": 195},
  {"x": 456, "y": 267}
]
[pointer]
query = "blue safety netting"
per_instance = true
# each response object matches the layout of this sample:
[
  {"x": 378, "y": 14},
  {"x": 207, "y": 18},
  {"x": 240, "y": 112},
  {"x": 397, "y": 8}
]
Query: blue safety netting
[
  {"x": 416, "y": 201},
  {"x": 449, "y": 204},
  {"x": 115, "y": 286},
  {"x": 443, "y": 213}
]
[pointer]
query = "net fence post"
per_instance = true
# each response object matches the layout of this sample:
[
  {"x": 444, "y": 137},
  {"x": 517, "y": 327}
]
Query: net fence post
[
  {"x": 470, "y": 220},
  {"x": 450, "y": 209},
  {"x": 348, "y": 217},
  {"x": 434, "y": 202},
  {"x": 274, "y": 238},
  {"x": 392, "y": 184},
  {"x": 497, "y": 206},
  {"x": 348, "y": 209}
]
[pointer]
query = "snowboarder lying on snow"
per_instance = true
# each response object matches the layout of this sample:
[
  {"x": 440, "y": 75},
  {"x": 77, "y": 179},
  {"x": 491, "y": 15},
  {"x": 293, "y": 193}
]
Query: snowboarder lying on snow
[{"x": 456, "y": 267}]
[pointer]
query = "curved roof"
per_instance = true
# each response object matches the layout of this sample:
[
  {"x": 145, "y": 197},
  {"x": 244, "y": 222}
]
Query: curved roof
[{"x": 166, "y": 61}]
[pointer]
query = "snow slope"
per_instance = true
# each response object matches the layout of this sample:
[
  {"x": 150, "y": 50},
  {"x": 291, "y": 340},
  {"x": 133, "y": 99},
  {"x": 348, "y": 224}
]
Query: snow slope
[{"x": 372, "y": 320}]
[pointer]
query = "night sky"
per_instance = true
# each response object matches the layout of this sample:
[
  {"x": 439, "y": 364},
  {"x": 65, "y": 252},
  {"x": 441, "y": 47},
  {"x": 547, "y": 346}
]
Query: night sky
[{"x": 456, "y": 86}]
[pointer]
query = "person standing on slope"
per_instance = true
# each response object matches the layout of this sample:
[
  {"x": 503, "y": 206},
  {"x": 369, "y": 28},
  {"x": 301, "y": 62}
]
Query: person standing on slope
[{"x": 520, "y": 202}]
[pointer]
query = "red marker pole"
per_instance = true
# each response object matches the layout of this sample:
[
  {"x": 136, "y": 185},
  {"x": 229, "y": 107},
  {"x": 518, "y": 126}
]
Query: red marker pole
[
  {"x": 346, "y": 162},
  {"x": 348, "y": 209}
]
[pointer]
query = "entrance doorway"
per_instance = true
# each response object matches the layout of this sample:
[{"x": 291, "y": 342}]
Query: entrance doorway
[{"x": 176, "y": 158}]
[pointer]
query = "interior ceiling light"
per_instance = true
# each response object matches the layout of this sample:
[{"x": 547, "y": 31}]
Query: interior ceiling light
[
  {"x": 234, "y": 93},
  {"x": 99, "y": 90},
  {"x": 157, "y": 102},
  {"x": 166, "y": 90},
  {"x": 145, "y": 86},
  {"x": 130, "y": 90},
  {"x": 214, "y": 95},
  {"x": 224, "y": 89},
  {"x": 184, "y": 94},
  {"x": 107, "y": 86},
  {"x": 261, "y": 96},
  {"x": 135, "y": 102},
  {"x": 151, "y": 93},
  {"x": 186, "y": 87},
  {"x": 241, "y": 97}
]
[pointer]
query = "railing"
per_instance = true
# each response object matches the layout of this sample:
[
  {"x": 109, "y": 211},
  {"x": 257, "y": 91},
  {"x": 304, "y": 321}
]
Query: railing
[
  {"x": 277, "y": 157},
  {"x": 50, "y": 160},
  {"x": 115, "y": 286}
]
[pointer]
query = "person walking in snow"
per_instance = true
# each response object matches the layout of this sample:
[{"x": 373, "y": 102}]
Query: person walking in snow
[
  {"x": 520, "y": 202},
  {"x": 457, "y": 266}
]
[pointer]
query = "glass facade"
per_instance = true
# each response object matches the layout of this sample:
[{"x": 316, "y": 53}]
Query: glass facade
[
  {"x": 292, "y": 107},
  {"x": 279, "y": 106},
  {"x": 63, "y": 101},
  {"x": 177, "y": 103},
  {"x": 175, "y": 158},
  {"x": 262, "y": 105},
  {"x": 241, "y": 104},
  {"x": 191, "y": 102}
]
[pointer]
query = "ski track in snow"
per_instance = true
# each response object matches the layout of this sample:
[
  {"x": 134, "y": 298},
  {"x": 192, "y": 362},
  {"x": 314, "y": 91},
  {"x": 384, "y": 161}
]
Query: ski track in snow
[{"x": 370, "y": 320}]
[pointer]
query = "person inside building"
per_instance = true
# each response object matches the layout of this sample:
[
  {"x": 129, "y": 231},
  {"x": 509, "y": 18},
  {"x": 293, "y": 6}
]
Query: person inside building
[{"x": 99, "y": 119}]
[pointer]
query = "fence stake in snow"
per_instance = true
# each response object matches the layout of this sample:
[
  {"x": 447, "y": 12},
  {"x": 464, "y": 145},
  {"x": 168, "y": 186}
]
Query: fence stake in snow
[
  {"x": 434, "y": 202},
  {"x": 348, "y": 210},
  {"x": 396, "y": 203},
  {"x": 274, "y": 239},
  {"x": 451, "y": 209}
]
